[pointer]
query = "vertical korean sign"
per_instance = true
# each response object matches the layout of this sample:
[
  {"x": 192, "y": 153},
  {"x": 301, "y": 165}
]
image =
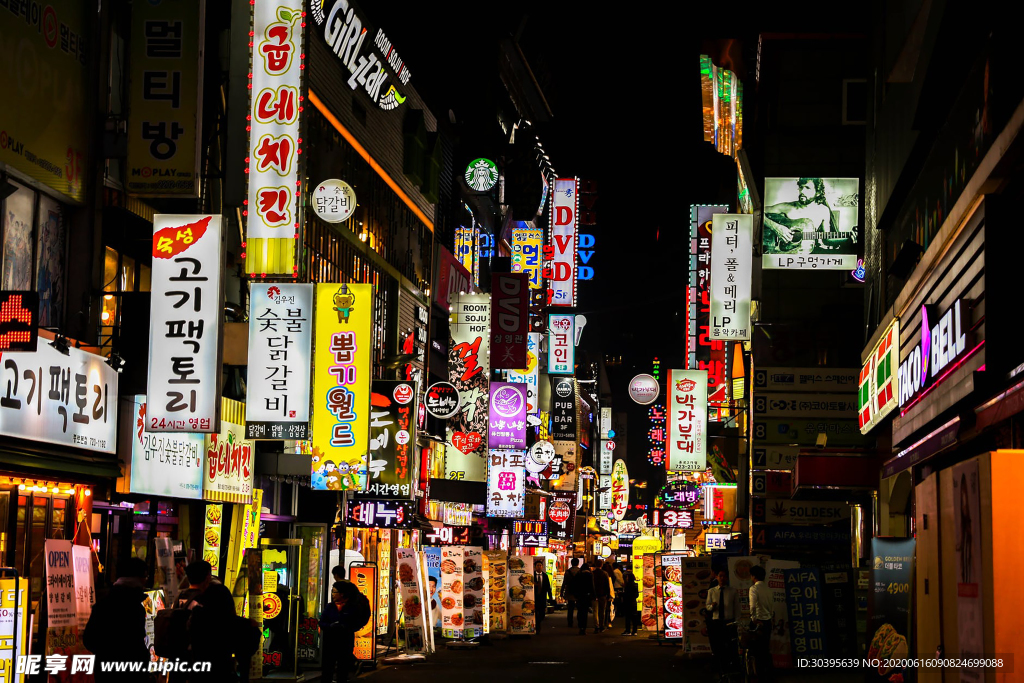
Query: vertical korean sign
[
  {"x": 530, "y": 373},
  {"x": 392, "y": 437},
  {"x": 564, "y": 400},
  {"x": 365, "y": 579},
  {"x": 731, "y": 263},
  {"x": 185, "y": 324},
  {"x": 526, "y": 252},
  {"x": 341, "y": 386},
  {"x": 510, "y": 320},
  {"x": 61, "y": 606},
  {"x": 506, "y": 484},
  {"x": 687, "y": 420},
  {"x": 272, "y": 207},
  {"x": 166, "y": 98},
  {"x": 699, "y": 294},
  {"x": 280, "y": 343},
  {"x": 468, "y": 369},
  {"x": 564, "y": 238},
  {"x": 561, "y": 344},
  {"x": 803, "y": 612},
  {"x": 14, "y": 605},
  {"x": 507, "y": 428},
  {"x": 620, "y": 489}
]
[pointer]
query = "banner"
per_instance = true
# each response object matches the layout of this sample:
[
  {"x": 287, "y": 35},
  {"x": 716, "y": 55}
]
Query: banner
[
  {"x": 392, "y": 438},
  {"x": 14, "y": 605},
  {"x": 889, "y": 625},
  {"x": 804, "y": 614},
  {"x": 561, "y": 344},
  {"x": 61, "y": 607},
  {"x": 341, "y": 386},
  {"x": 780, "y": 644},
  {"x": 619, "y": 490},
  {"x": 473, "y": 591},
  {"x": 452, "y": 614},
  {"x": 469, "y": 370},
  {"x": 522, "y": 607},
  {"x": 497, "y": 589},
  {"x": 432, "y": 560},
  {"x": 85, "y": 592},
  {"x": 526, "y": 253},
  {"x": 564, "y": 244},
  {"x": 212, "y": 521},
  {"x": 530, "y": 374},
  {"x": 365, "y": 579},
  {"x": 810, "y": 223},
  {"x": 280, "y": 352},
  {"x": 696, "y": 581},
  {"x": 510, "y": 320},
  {"x": 166, "y": 63},
  {"x": 970, "y": 608},
  {"x": 507, "y": 426},
  {"x": 411, "y": 590},
  {"x": 185, "y": 322},
  {"x": 672, "y": 595},
  {"x": 687, "y": 408},
  {"x": 230, "y": 464},
  {"x": 731, "y": 268},
  {"x": 162, "y": 464},
  {"x": 700, "y": 345}
]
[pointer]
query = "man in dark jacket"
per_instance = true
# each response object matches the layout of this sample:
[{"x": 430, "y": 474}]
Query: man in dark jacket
[
  {"x": 602, "y": 593},
  {"x": 116, "y": 631},
  {"x": 214, "y": 632},
  {"x": 348, "y": 611},
  {"x": 583, "y": 591}
]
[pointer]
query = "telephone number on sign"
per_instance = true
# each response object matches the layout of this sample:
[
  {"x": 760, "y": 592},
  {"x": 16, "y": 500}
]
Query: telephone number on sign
[{"x": 913, "y": 663}]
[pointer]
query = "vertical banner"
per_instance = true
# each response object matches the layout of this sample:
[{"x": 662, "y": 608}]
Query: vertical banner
[
  {"x": 497, "y": 590},
  {"x": 648, "y": 611},
  {"x": 522, "y": 607},
  {"x": 526, "y": 253},
  {"x": 561, "y": 516},
  {"x": 699, "y": 293},
  {"x": 672, "y": 594},
  {"x": 506, "y": 484},
  {"x": 166, "y": 98},
  {"x": 638, "y": 574},
  {"x": 185, "y": 320},
  {"x": 452, "y": 614},
  {"x": 469, "y": 370},
  {"x": 385, "y": 581},
  {"x": 804, "y": 614},
  {"x": 687, "y": 420},
  {"x": 165, "y": 579},
  {"x": 731, "y": 264},
  {"x": 889, "y": 603},
  {"x": 211, "y": 535},
  {"x": 280, "y": 346},
  {"x": 14, "y": 606},
  {"x": 61, "y": 607},
  {"x": 567, "y": 458},
  {"x": 510, "y": 320},
  {"x": 696, "y": 578},
  {"x": 341, "y": 386},
  {"x": 619, "y": 490},
  {"x": 780, "y": 644},
  {"x": 969, "y": 587},
  {"x": 563, "y": 408},
  {"x": 564, "y": 244},
  {"x": 365, "y": 579},
  {"x": 432, "y": 561},
  {"x": 530, "y": 373},
  {"x": 507, "y": 428},
  {"x": 561, "y": 344},
  {"x": 392, "y": 437},
  {"x": 410, "y": 582},
  {"x": 473, "y": 591},
  {"x": 85, "y": 592}
]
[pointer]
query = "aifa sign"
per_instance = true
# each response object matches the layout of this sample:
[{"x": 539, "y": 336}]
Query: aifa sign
[{"x": 943, "y": 342}]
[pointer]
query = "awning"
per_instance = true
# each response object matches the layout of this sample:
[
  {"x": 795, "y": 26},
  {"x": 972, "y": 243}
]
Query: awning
[{"x": 51, "y": 464}]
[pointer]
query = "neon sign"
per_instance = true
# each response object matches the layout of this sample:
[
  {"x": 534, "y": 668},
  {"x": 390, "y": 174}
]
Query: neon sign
[{"x": 943, "y": 341}]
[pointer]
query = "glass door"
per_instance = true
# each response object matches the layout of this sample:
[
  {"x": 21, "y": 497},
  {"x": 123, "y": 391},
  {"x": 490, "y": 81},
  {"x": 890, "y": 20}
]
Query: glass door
[
  {"x": 314, "y": 575},
  {"x": 282, "y": 607}
]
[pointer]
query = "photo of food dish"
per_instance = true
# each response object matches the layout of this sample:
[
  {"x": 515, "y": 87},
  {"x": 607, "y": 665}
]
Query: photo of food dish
[
  {"x": 648, "y": 582},
  {"x": 469, "y": 601},
  {"x": 211, "y": 557},
  {"x": 212, "y": 537},
  {"x": 469, "y": 566},
  {"x": 673, "y": 623},
  {"x": 673, "y": 590},
  {"x": 515, "y": 563},
  {"x": 498, "y": 583},
  {"x": 405, "y": 572},
  {"x": 529, "y": 607},
  {"x": 887, "y": 645},
  {"x": 649, "y": 601},
  {"x": 448, "y": 567},
  {"x": 703, "y": 595},
  {"x": 413, "y": 608},
  {"x": 448, "y": 603},
  {"x": 703, "y": 574},
  {"x": 475, "y": 584},
  {"x": 648, "y": 621},
  {"x": 516, "y": 592},
  {"x": 456, "y": 587},
  {"x": 674, "y": 605},
  {"x": 213, "y": 513},
  {"x": 742, "y": 570},
  {"x": 456, "y": 619},
  {"x": 498, "y": 607},
  {"x": 525, "y": 580},
  {"x": 517, "y": 622},
  {"x": 692, "y": 604},
  {"x": 498, "y": 569},
  {"x": 673, "y": 574}
]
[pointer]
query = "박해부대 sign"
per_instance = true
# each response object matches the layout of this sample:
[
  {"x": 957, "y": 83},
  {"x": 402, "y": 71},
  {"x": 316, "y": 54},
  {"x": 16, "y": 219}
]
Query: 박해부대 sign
[
  {"x": 731, "y": 254},
  {"x": 186, "y": 315},
  {"x": 687, "y": 420}
]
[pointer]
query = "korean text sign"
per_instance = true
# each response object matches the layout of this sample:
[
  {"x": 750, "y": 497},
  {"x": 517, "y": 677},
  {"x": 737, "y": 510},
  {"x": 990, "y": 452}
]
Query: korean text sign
[
  {"x": 731, "y": 263},
  {"x": 620, "y": 489},
  {"x": 699, "y": 344},
  {"x": 392, "y": 438},
  {"x": 530, "y": 373},
  {"x": 365, "y": 579},
  {"x": 468, "y": 369},
  {"x": 811, "y": 223},
  {"x": 563, "y": 408},
  {"x": 564, "y": 238},
  {"x": 164, "y": 464},
  {"x": 230, "y": 465},
  {"x": 510, "y": 320},
  {"x": 803, "y": 609},
  {"x": 280, "y": 345},
  {"x": 69, "y": 400},
  {"x": 274, "y": 118},
  {"x": 561, "y": 344},
  {"x": 687, "y": 420},
  {"x": 341, "y": 386},
  {"x": 506, "y": 484},
  {"x": 526, "y": 253},
  {"x": 507, "y": 428},
  {"x": 186, "y": 316}
]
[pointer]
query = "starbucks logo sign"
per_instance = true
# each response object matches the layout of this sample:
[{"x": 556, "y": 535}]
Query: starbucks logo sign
[{"x": 481, "y": 175}]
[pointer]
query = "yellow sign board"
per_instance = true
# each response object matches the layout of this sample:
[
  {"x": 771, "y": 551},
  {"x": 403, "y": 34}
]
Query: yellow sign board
[{"x": 11, "y": 644}]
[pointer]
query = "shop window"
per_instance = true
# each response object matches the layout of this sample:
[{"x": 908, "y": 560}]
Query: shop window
[
  {"x": 122, "y": 275},
  {"x": 40, "y": 516}
]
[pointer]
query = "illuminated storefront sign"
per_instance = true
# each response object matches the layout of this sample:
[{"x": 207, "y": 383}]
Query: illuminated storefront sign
[
  {"x": 481, "y": 175},
  {"x": 563, "y": 247},
  {"x": 810, "y": 223},
  {"x": 365, "y": 579},
  {"x": 561, "y": 344},
  {"x": 877, "y": 394},
  {"x": 731, "y": 254},
  {"x": 334, "y": 201},
  {"x": 677, "y": 519},
  {"x": 457, "y": 514},
  {"x": 506, "y": 484},
  {"x": 656, "y": 435},
  {"x": 716, "y": 541},
  {"x": 19, "y": 321},
  {"x": 606, "y": 456},
  {"x": 680, "y": 495},
  {"x": 230, "y": 463},
  {"x": 529, "y": 375},
  {"x": 381, "y": 514},
  {"x": 945, "y": 343},
  {"x": 527, "y": 526},
  {"x": 527, "y": 243},
  {"x": 510, "y": 320},
  {"x": 442, "y": 400},
  {"x": 687, "y": 420},
  {"x": 392, "y": 437},
  {"x": 703, "y": 352},
  {"x": 163, "y": 464},
  {"x": 469, "y": 369},
  {"x": 563, "y": 408},
  {"x": 466, "y": 249},
  {"x": 186, "y": 316},
  {"x": 644, "y": 389},
  {"x": 620, "y": 489},
  {"x": 586, "y": 252},
  {"x": 341, "y": 386},
  {"x": 507, "y": 425},
  {"x": 720, "y": 503}
]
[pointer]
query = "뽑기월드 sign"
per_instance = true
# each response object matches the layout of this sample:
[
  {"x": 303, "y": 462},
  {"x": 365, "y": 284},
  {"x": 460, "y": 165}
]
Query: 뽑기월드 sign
[
  {"x": 280, "y": 344},
  {"x": 163, "y": 464},
  {"x": 510, "y": 320},
  {"x": 186, "y": 315},
  {"x": 67, "y": 400},
  {"x": 392, "y": 438},
  {"x": 469, "y": 369},
  {"x": 810, "y": 223},
  {"x": 507, "y": 429},
  {"x": 506, "y": 484},
  {"x": 341, "y": 386},
  {"x": 564, "y": 238},
  {"x": 687, "y": 420},
  {"x": 229, "y": 465},
  {"x": 731, "y": 254},
  {"x": 530, "y": 374},
  {"x": 561, "y": 344}
]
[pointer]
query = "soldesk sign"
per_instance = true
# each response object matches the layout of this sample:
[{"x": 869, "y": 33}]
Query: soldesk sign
[{"x": 943, "y": 342}]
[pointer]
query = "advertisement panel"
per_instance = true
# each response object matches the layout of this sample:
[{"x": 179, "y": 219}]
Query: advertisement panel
[
  {"x": 450, "y": 279},
  {"x": 522, "y": 606},
  {"x": 696, "y": 577},
  {"x": 563, "y": 408},
  {"x": 185, "y": 321},
  {"x": 392, "y": 438},
  {"x": 687, "y": 420},
  {"x": 606, "y": 456},
  {"x": 473, "y": 591},
  {"x": 561, "y": 344},
  {"x": 341, "y": 386},
  {"x": 166, "y": 98},
  {"x": 811, "y": 223},
  {"x": 469, "y": 369},
  {"x": 806, "y": 379},
  {"x": 567, "y": 458},
  {"x": 365, "y": 579},
  {"x": 561, "y": 516},
  {"x": 648, "y": 600},
  {"x": 497, "y": 589},
  {"x": 804, "y": 613},
  {"x": 507, "y": 425},
  {"x": 530, "y": 373},
  {"x": 212, "y": 522},
  {"x": 451, "y": 592},
  {"x": 802, "y": 431},
  {"x": 526, "y": 253},
  {"x": 229, "y": 469},
  {"x": 699, "y": 342},
  {"x": 410, "y": 583},
  {"x": 672, "y": 594},
  {"x": 619, "y": 490},
  {"x": 62, "y": 633},
  {"x": 163, "y": 464},
  {"x": 878, "y": 390},
  {"x": 805, "y": 405},
  {"x": 510, "y": 320},
  {"x": 780, "y": 643},
  {"x": 506, "y": 484},
  {"x": 731, "y": 254},
  {"x": 280, "y": 352},
  {"x": 78, "y": 410},
  {"x": 784, "y": 511},
  {"x": 970, "y": 595},
  {"x": 564, "y": 243}
]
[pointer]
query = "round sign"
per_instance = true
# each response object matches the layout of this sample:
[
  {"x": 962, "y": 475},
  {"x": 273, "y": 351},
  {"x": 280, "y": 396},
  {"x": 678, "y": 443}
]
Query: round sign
[
  {"x": 609, "y": 445},
  {"x": 401, "y": 437},
  {"x": 644, "y": 389},
  {"x": 442, "y": 400},
  {"x": 508, "y": 401},
  {"x": 271, "y": 605},
  {"x": 540, "y": 456},
  {"x": 403, "y": 393},
  {"x": 481, "y": 175},
  {"x": 559, "y": 512},
  {"x": 334, "y": 200},
  {"x": 563, "y": 388}
]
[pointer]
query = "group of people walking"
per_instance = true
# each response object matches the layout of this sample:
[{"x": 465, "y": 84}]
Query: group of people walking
[{"x": 602, "y": 588}]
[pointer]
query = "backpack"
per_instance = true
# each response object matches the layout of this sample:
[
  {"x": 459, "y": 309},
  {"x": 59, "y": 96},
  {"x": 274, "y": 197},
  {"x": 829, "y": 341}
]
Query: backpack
[
  {"x": 170, "y": 631},
  {"x": 360, "y": 611}
]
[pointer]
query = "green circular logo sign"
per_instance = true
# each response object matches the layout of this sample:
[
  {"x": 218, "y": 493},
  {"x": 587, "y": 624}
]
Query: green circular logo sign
[{"x": 481, "y": 175}]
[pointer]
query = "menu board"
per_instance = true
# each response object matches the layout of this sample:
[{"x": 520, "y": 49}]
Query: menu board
[
  {"x": 473, "y": 591},
  {"x": 485, "y": 574},
  {"x": 452, "y": 616},
  {"x": 638, "y": 574},
  {"x": 211, "y": 535},
  {"x": 648, "y": 611},
  {"x": 672, "y": 594},
  {"x": 411, "y": 590},
  {"x": 696, "y": 579},
  {"x": 779, "y": 645},
  {"x": 432, "y": 560},
  {"x": 497, "y": 589},
  {"x": 522, "y": 608},
  {"x": 365, "y": 579},
  {"x": 659, "y": 593}
]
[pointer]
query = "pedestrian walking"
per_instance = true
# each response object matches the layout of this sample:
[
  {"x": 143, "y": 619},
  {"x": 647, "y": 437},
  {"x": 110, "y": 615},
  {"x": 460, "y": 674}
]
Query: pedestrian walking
[
  {"x": 348, "y": 611},
  {"x": 116, "y": 630},
  {"x": 630, "y": 593},
  {"x": 603, "y": 594},
  {"x": 583, "y": 590},
  {"x": 614, "y": 593},
  {"x": 566, "y": 591},
  {"x": 761, "y": 604},
  {"x": 217, "y": 636},
  {"x": 721, "y": 610},
  {"x": 542, "y": 591}
]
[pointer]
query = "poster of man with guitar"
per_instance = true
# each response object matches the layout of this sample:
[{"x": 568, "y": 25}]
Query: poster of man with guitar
[{"x": 811, "y": 223}]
